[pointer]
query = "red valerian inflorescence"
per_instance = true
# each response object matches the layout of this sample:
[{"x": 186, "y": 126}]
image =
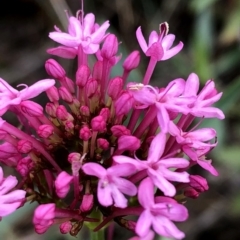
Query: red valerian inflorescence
[{"x": 105, "y": 146}]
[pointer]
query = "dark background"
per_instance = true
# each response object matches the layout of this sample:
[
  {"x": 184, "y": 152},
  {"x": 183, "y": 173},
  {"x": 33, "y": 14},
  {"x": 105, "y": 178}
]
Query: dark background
[{"x": 210, "y": 31}]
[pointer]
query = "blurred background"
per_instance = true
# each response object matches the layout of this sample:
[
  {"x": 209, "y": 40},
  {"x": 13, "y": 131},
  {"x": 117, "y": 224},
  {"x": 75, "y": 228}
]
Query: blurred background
[{"x": 210, "y": 31}]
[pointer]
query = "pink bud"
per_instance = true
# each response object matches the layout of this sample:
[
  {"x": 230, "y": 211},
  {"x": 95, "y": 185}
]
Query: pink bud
[
  {"x": 74, "y": 157},
  {"x": 65, "y": 95},
  {"x": 102, "y": 143},
  {"x": 130, "y": 143},
  {"x": 45, "y": 131},
  {"x": 54, "y": 69},
  {"x": 43, "y": 217},
  {"x": 198, "y": 183},
  {"x": 70, "y": 85},
  {"x": 120, "y": 130},
  {"x": 110, "y": 46},
  {"x": 85, "y": 133},
  {"x": 191, "y": 193},
  {"x": 87, "y": 203},
  {"x": 65, "y": 227},
  {"x": 62, "y": 184},
  {"x": 91, "y": 87},
  {"x": 62, "y": 113},
  {"x": 124, "y": 104},
  {"x": 98, "y": 124},
  {"x": 82, "y": 75},
  {"x": 24, "y": 166},
  {"x": 132, "y": 61},
  {"x": 84, "y": 110},
  {"x": 31, "y": 108},
  {"x": 52, "y": 94},
  {"x": 51, "y": 109},
  {"x": 115, "y": 87},
  {"x": 97, "y": 71},
  {"x": 24, "y": 146},
  {"x": 105, "y": 113},
  {"x": 69, "y": 125}
]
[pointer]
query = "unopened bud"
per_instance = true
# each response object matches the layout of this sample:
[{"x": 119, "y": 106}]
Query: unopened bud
[
  {"x": 132, "y": 61},
  {"x": 31, "y": 108},
  {"x": 82, "y": 75},
  {"x": 24, "y": 146},
  {"x": 54, "y": 69},
  {"x": 115, "y": 87},
  {"x": 53, "y": 94},
  {"x": 87, "y": 203},
  {"x": 45, "y": 131}
]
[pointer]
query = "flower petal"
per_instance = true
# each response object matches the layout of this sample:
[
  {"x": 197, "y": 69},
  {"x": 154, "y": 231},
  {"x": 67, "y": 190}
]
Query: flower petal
[
  {"x": 146, "y": 193},
  {"x": 94, "y": 169},
  {"x": 144, "y": 223}
]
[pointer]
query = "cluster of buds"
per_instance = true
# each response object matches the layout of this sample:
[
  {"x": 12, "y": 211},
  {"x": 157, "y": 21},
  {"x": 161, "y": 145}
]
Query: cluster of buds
[{"x": 104, "y": 149}]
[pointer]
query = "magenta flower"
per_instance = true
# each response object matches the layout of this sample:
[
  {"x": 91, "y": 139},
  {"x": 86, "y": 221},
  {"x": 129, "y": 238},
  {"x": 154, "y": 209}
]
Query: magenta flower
[
  {"x": 111, "y": 185},
  {"x": 157, "y": 168},
  {"x": 9, "y": 200},
  {"x": 202, "y": 106},
  {"x": 86, "y": 34},
  {"x": 159, "y": 45},
  {"x": 62, "y": 184},
  {"x": 9, "y": 96},
  {"x": 159, "y": 213}
]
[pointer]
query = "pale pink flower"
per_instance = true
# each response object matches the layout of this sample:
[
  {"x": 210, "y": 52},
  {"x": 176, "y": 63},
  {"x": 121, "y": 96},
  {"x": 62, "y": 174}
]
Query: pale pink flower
[
  {"x": 9, "y": 96},
  {"x": 157, "y": 168},
  {"x": 159, "y": 45},
  {"x": 159, "y": 213},
  {"x": 111, "y": 185},
  {"x": 9, "y": 200},
  {"x": 86, "y": 34}
]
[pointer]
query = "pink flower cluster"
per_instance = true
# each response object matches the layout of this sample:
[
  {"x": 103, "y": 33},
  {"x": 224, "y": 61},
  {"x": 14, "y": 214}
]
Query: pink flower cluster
[{"x": 102, "y": 144}]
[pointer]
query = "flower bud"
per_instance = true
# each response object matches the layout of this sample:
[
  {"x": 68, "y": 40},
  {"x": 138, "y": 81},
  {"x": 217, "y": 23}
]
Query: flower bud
[
  {"x": 82, "y": 75},
  {"x": 65, "y": 227},
  {"x": 31, "y": 108},
  {"x": 191, "y": 193},
  {"x": 119, "y": 130},
  {"x": 69, "y": 126},
  {"x": 130, "y": 143},
  {"x": 24, "y": 166},
  {"x": 98, "y": 124},
  {"x": 110, "y": 46},
  {"x": 91, "y": 87},
  {"x": 132, "y": 61},
  {"x": 62, "y": 113},
  {"x": 87, "y": 203},
  {"x": 54, "y": 69},
  {"x": 97, "y": 71},
  {"x": 102, "y": 143},
  {"x": 51, "y": 110},
  {"x": 124, "y": 104},
  {"x": 24, "y": 146},
  {"x": 84, "y": 110},
  {"x": 70, "y": 85},
  {"x": 45, "y": 131},
  {"x": 74, "y": 157},
  {"x": 53, "y": 94},
  {"x": 65, "y": 95},
  {"x": 62, "y": 184},
  {"x": 115, "y": 87},
  {"x": 198, "y": 183},
  {"x": 85, "y": 133},
  {"x": 105, "y": 113}
]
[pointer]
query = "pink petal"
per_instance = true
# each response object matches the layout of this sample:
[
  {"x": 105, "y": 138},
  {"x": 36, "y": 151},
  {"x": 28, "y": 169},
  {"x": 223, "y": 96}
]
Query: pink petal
[
  {"x": 203, "y": 134},
  {"x": 91, "y": 48},
  {"x": 36, "y": 89},
  {"x": 144, "y": 223},
  {"x": 167, "y": 41},
  {"x": 64, "y": 39},
  {"x": 153, "y": 38},
  {"x": 99, "y": 34},
  {"x": 88, "y": 24},
  {"x": 173, "y": 51},
  {"x": 140, "y": 165},
  {"x": 94, "y": 169},
  {"x": 104, "y": 194},
  {"x": 174, "y": 163},
  {"x": 75, "y": 28},
  {"x": 125, "y": 186},
  {"x": 119, "y": 199},
  {"x": 141, "y": 40},
  {"x": 64, "y": 52},
  {"x": 192, "y": 85},
  {"x": 207, "y": 112},
  {"x": 146, "y": 193},
  {"x": 124, "y": 169},
  {"x": 157, "y": 147},
  {"x": 175, "y": 176},
  {"x": 206, "y": 164},
  {"x": 163, "y": 117},
  {"x": 9, "y": 183},
  {"x": 12, "y": 197},
  {"x": 6, "y": 209}
]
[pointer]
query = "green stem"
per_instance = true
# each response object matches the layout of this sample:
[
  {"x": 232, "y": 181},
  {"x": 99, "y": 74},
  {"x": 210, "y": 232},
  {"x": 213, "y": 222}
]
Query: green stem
[{"x": 99, "y": 235}]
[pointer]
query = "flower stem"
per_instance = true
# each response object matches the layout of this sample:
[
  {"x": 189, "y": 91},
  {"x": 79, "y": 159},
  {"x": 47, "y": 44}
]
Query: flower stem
[{"x": 99, "y": 235}]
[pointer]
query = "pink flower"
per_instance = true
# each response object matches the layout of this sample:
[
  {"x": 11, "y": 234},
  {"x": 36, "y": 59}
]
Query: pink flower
[
  {"x": 158, "y": 213},
  {"x": 157, "y": 168},
  {"x": 9, "y": 96},
  {"x": 201, "y": 107},
  {"x": 159, "y": 45},
  {"x": 110, "y": 185},
  {"x": 43, "y": 217},
  {"x": 9, "y": 201},
  {"x": 86, "y": 34}
]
